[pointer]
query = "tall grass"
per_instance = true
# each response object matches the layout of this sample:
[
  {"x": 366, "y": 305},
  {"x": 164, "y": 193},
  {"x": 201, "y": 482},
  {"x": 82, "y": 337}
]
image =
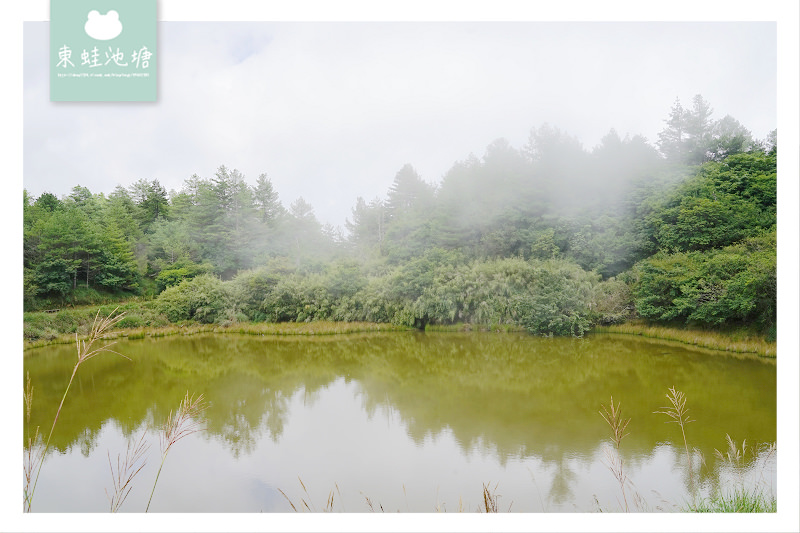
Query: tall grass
[
  {"x": 43, "y": 326},
  {"x": 86, "y": 351},
  {"x": 31, "y": 457},
  {"x": 679, "y": 413},
  {"x": 489, "y": 503},
  {"x": 185, "y": 421},
  {"x": 490, "y": 499},
  {"x": 307, "y": 502},
  {"x": 613, "y": 417},
  {"x": 739, "y": 497},
  {"x": 127, "y": 469},
  {"x": 738, "y": 501},
  {"x": 740, "y": 341},
  {"x": 248, "y": 328}
]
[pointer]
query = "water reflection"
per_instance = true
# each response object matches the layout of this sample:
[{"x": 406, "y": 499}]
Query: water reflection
[
  {"x": 563, "y": 479},
  {"x": 510, "y": 399}
]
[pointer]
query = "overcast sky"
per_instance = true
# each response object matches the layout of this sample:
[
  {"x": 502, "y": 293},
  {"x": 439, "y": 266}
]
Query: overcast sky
[{"x": 331, "y": 111}]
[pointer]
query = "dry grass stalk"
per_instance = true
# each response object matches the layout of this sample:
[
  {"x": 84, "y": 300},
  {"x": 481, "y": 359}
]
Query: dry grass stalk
[
  {"x": 490, "y": 499},
  {"x": 289, "y": 500},
  {"x": 734, "y": 456},
  {"x": 340, "y": 497},
  {"x": 304, "y": 504},
  {"x": 372, "y": 506},
  {"x": 30, "y": 462},
  {"x": 28, "y": 397},
  {"x": 679, "y": 414},
  {"x": 764, "y": 453},
  {"x": 31, "y": 455},
  {"x": 329, "y": 504},
  {"x": 126, "y": 470},
  {"x": 742, "y": 495},
  {"x": 613, "y": 418},
  {"x": 85, "y": 352},
  {"x": 185, "y": 421}
]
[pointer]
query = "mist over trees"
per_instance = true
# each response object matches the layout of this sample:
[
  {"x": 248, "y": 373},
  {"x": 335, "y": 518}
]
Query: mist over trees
[{"x": 549, "y": 236}]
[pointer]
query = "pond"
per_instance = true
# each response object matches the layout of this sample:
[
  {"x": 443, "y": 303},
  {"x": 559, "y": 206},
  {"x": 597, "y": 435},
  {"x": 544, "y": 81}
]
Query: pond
[{"x": 410, "y": 422}]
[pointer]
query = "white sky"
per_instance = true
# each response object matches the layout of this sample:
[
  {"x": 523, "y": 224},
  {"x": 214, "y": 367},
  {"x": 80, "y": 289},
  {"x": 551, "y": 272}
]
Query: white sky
[{"x": 332, "y": 111}]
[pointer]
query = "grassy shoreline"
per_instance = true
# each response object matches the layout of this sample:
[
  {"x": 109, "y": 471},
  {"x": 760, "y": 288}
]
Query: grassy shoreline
[
  {"x": 251, "y": 328},
  {"x": 737, "y": 341},
  {"x": 42, "y": 329}
]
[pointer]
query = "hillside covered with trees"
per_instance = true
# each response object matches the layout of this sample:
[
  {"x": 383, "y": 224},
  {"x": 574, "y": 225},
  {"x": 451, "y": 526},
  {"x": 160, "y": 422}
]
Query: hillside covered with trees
[{"x": 549, "y": 236}]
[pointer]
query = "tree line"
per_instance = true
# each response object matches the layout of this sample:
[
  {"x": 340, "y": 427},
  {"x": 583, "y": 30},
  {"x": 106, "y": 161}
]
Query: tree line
[{"x": 549, "y": 236}]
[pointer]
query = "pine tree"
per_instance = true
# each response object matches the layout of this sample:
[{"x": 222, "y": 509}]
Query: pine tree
[{"x": 672, "y": 139}]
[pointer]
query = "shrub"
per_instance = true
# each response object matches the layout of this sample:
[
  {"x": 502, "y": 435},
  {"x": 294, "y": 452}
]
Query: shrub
[
  {"x": 731, "y": 285},
  {"x": 612, "y": 302},
  {"x": 180, "y": 270},
  {"x": 202, "y": 298}
]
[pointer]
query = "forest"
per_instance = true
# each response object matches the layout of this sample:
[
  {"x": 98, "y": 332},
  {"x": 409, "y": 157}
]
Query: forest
[{"x": 551, "y": 237}]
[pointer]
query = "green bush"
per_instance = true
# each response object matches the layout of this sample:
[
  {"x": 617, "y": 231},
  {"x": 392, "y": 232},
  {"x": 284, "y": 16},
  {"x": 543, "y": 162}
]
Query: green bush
[
  {"x": 203, "y": 298},
  {"x": 731, "y": 285},
  {"x": 183, "y": 269},
  {"x": 612, "y": 302},
  {"x": 546, "y": 297},
  {"x": 557, "y": 302},
  {"x": 551, "y": 297},
  {"x": 131, "y": 322},
  {"x": 249, "y": 290}
]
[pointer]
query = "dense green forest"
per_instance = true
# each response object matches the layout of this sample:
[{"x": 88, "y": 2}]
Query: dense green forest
[{"x": 550, "y": 236}]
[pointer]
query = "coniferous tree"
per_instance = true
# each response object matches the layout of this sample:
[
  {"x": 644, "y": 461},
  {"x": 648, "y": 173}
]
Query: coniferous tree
[
  {"x": 698, "y": 126},
  {"x": 672, "y": 139},
  {"x": 266, "y": 201}
]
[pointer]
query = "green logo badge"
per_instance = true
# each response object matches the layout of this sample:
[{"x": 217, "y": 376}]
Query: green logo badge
[{"x": 103, "y": 50}]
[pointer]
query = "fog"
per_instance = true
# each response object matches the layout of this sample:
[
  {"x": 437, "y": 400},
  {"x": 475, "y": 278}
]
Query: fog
[{"x": 331, "y": 111}]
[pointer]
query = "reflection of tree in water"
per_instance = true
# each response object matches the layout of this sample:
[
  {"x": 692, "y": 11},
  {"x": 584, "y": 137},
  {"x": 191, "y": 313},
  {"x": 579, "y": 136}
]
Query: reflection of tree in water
[
  {"x": 87, "y": 440},
  {"x": 242, "y": 408},
  {"x": 512, "y": 390},
  {"x": 498, "y": 391},
  {"x": 563, "y": 477},
  {"x": 252, "y": 397},
  {"x": 247, "y": 381}
]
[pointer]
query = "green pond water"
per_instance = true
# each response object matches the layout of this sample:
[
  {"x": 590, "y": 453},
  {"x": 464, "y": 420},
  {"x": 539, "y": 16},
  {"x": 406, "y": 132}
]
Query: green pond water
[{"x": 414, "y": 422}]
